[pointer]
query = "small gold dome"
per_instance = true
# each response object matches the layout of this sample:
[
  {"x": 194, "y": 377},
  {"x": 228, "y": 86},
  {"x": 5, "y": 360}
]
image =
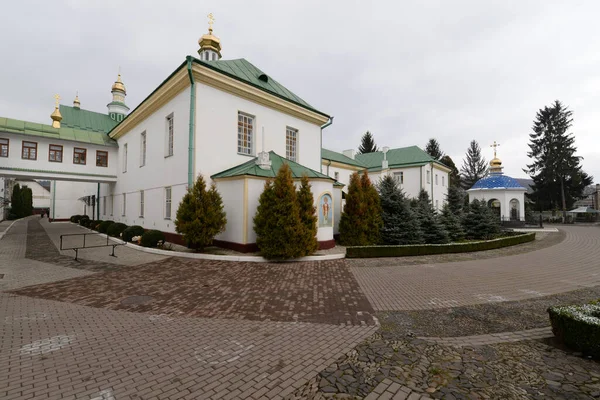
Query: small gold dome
[
  {"x": 118, "y": 85},
  {"x": 76, "y": 102},
  {"x": 495, "y": 162},
  {"x": 209, "y": 41}
]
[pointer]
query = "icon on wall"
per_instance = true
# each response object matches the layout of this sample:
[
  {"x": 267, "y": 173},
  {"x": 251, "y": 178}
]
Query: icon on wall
[{"x": 325, "y": 211}]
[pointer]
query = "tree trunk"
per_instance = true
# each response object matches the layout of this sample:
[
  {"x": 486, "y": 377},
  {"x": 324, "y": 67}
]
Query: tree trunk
[{"x": 564, "y": 202}]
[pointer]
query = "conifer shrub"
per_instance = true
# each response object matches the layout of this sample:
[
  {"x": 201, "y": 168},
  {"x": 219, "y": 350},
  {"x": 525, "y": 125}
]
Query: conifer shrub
[
  {"x": 452, "y": 223},
  {"x": 433, "y": 230},
  {"x": 151, "y": 238},
  {"x": 400, "y": 224},
  {"x": 353, "y": 221},
  {"x": 479, "y": 222},
  {"x": 200, "y": 216},
  {"x": 130, "y": 232},
  {"x": 103, "y": 226},
  {"x": 115, "y": 229},
  {"x": 279, "y": 229},
  {"x": 372, "y": 209},
  {"x": 308, "y": 216}
]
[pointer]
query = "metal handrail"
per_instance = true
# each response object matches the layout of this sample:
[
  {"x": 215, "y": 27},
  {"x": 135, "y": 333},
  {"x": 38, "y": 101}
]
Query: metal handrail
[{"x": 76, "y": 249}]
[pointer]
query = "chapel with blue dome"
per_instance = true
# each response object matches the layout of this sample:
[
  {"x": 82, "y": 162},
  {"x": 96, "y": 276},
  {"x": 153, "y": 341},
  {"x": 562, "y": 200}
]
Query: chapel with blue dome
[{"x": 502, "y": 192}]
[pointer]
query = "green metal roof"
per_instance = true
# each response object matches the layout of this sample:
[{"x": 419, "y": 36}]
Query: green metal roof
[
  {"x": 403, "y": 157},
  {"x": 339, "y": 157},
  {"x": 86, "y": 120},
  {"x": 63, "y": 133},
  {"x": 250, "y": 168},
  {"x": 246, "y": 72}
]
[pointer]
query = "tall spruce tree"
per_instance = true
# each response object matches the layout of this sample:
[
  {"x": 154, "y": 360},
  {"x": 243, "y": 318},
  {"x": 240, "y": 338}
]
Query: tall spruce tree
[
  {"x": 200, "y": 215},
  {"x": 454, "y": 175},
  {"x": 353, "y": 218},
  {"x": 367, "y": 144},
  {"x": 480, "y": 222},
  {"x": 452, "y": 223},
  {"x": 558, "y": 178},
  {"x": 474, "y": 166},
  {"x": 456, "y": 200},
  {"x": 308, "y": 216},
  {"x": 433, "y": 149},
  {"x": 400, "y": 224},
  {"x": 432, "y": 229},
  {"x": 16, "y": 202},
  {"x": 372, "y": 209}
]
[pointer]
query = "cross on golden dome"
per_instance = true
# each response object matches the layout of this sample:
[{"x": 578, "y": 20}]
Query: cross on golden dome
[
  {"x": 495, "y": 145},
  {"x": 57, "y": 99},
  {"x": 211, "y": 21}
]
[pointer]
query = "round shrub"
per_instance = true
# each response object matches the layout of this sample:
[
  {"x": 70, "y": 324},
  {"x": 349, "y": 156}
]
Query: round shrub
[
  {"x": 95, "y": 224},
  {"x": 578, "y": 327},
  {"x": 84, "y": 220},
  {"x": 103, "y": 226},
  {"x": 75, "y": 218},
  {"x": 132, "y": 231},
  {"x": 116, "y": 229},
  {"x": 152, "y": 237}
]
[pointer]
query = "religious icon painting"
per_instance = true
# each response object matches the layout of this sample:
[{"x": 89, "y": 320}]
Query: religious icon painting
[{"x": 325, "y": 211}]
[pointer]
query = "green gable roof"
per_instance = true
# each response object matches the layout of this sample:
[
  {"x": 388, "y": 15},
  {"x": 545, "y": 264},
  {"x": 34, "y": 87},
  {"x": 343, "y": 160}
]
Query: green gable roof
[
  {"x": 403, "y": 157},
  {"x": 63, "y": 133},
  {"x": 250, "y": 168},
  {"x": 339, "y": 157},
  {"x": 246, "y": 72},
  {"x": 86, "y": 120}
]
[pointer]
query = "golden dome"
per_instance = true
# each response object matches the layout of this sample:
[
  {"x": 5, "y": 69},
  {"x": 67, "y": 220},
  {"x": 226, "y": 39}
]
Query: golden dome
[
  {"x": 209, "y": 41},
  {"x": 118, "y": 85},
  {"x": 76, "y": 102},
  {"x": 495, "y": 162},
  {"x": 56, "y": 116}
]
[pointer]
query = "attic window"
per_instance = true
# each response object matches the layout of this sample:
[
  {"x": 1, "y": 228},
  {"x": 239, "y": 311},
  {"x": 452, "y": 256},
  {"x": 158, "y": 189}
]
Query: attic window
[{"x": 263, "y": 77}]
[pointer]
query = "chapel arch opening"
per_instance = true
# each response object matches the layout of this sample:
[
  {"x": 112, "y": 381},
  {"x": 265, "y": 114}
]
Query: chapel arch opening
[
  {"x": 515, "y": 210},
  {"x": 495, "y": 206}
]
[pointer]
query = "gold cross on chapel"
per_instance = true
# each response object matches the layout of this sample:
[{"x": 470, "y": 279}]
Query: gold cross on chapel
[
  {"x": 57, "y": 98},
  {"x": 494, "y": 146},
  {"x": 211, "y": 21}
]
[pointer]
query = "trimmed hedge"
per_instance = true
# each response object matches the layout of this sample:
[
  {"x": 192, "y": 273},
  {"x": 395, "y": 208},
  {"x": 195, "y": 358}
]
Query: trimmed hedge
[
  {"x": 132, "y": 231},
  {"x": 151, "y": 238},
  {"x": 103, "y": 227},
  {"x": 115, "y": 229},
  {"x": 578, "y": 327},
  {"x": 428, "y": 249}
]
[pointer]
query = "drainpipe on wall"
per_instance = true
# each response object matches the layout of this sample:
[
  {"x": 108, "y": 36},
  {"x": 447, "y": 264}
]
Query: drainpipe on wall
[
  {"x": 53, "y": 200},
  {"x": 98, "y": 203},
  {"x": 432, "y": 201},
  {"x": 327, "y": 167},
  {"x": 192, "y": 123},
  {"x": 323, "y": 127}
]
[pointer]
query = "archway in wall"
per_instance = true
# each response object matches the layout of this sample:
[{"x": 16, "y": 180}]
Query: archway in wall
[
  {"x": 514, "y": 210},
  {"x": 494, "y": 205}
]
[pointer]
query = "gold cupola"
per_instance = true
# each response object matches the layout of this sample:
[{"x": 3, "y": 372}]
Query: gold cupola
[
  {"x": 210, "y": 45},
  {"x": 76, "y": 102},
  {"x": 56, "y": 116},
  {"x": 496, "y": 164},
  {"x": 118, "y": 85},
  {"x": 117, "y": 109}
]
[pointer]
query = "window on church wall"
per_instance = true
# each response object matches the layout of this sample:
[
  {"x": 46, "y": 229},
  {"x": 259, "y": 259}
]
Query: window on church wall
[
  {"x": 55, "y": 153},
  {"x": 428, "y": 176},
  {"x": 141, "y": 204},
  {"x": 125, "y": 158},
  {"x": 437, "y": 204},
  {"x": 336, "y": 176},
  {"x": 101, "y": 158},
  {"x": 104, "y": 205},
  {"x": 168, "y": 202},
  {"x": 399, "y": 177},
  {"x": 4, "y": 147},
  {"x": 143, "y": 149},
  {"x": 124, "y": 204},
  {"x": 79, "y": 156},
  {"x": 29, "y": 151},
  {"x": 245, "y": 133},
  {"x": 443, "y": 183},
  {"x": 291, "y": 144},
  {"x": 436, "y": 179},
  {"x": 169, "y": 136},
  {"x": 112, "y": 204}
]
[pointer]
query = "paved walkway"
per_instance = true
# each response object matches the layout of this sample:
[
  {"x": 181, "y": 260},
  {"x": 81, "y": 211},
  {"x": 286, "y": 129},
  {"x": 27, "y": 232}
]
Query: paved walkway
[{"x": 569, "y": 265}]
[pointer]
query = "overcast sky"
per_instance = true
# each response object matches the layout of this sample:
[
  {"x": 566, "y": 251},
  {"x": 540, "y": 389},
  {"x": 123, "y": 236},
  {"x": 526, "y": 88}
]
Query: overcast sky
[{"x": 406, "y": 71}]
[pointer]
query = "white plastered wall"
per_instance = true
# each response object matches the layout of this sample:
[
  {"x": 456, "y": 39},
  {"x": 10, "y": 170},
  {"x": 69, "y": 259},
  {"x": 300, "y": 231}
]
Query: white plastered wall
[
  {"x": 504, "y": 196},
  {"x": 232, "y": 193},
  {"x": 65, "y": 196}
]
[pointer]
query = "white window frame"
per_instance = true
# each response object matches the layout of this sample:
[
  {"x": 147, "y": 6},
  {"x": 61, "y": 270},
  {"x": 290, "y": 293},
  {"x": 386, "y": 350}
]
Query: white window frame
[
  {"x": 443, "y": 180},
  {"x": 168, "y": 201},
  {"x": 143, "y": 149},
  {"x": 104, "y": 205},
  {"x": 291, "y": 144},
  {"x": 169, "y": 135},
  {"x": 244, "y": 120},
  {"x": 428, "y": 176},
  {"x": 141, "y": 204},
  {"x": 124, "y": 204},
  {"x": 436, "y": 179},
  {"x": 336, "y": 176},
  {"x": 399, "y": 175},
  {"x": 125, "y": 158}
]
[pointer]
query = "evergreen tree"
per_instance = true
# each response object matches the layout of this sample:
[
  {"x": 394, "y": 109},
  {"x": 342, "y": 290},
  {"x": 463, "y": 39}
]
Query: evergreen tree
[
  {"x": 400, "y": 224},
  {"x": 200, "y": 215},
  {"x": 456, "y": 200},
  {"x": 26, "y": 201},
  {"x": 372, "y": 209},
  {"x": 474, "y": 166},
  {"x": 353, "y": 220},
  {"x": 479, "y": 222},
  {"x": 452, "y": 223},
  {"x": 16, "y": 202},
  {"x": 433, "y": 149},
  {"x": 454, "y": 175},
  {"x": 367, "y": 144},
  {"x": 433, "y": 230},
  {"x": 558, "y": 178},
  {"x": 279, "y": 229},
  {"x": 308, "y": 216}
]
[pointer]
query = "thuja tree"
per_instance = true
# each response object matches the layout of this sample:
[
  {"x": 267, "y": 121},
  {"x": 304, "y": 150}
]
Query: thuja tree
[
  {"x": 279, "y": 229},
  {"x": 400, "y": 224},
  {"x": 27, "y": 201},
  {"x": 353, "y": 218},
  {"x": 16, "y": 202},
  {"x": 200, "y": 216},
  {"x": 308, "y": 216},
  {"x": 372, "y": 209},
  {"x": 480, "y": 222},
  {"x": 433, "y": 230}
]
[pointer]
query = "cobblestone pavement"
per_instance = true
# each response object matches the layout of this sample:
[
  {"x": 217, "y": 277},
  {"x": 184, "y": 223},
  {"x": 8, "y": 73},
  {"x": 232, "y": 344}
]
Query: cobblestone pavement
[{"x": 569, "y": 265}]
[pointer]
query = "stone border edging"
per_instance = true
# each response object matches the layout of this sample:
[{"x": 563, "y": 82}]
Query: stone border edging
[
  {"x": 10, "y": 226},
  {"x": 493, "y": 338},
  {"x": 216, "y": 257}
]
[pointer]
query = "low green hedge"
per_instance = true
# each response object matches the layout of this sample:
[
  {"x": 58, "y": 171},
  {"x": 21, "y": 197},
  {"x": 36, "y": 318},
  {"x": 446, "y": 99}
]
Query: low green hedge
[
  {"x": 103, "y": 227},
  {"x": 115, "y": 229},
  {"x": 132, "y": 231},
  {"x": 578, "y": 327},
  {"x": 428, "y": 249},
  {"x": 151, "y": 238}
]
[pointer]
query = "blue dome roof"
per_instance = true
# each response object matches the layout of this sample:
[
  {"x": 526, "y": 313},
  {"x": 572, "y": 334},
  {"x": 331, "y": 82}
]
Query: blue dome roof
[{"x": 497, "y": 181}]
